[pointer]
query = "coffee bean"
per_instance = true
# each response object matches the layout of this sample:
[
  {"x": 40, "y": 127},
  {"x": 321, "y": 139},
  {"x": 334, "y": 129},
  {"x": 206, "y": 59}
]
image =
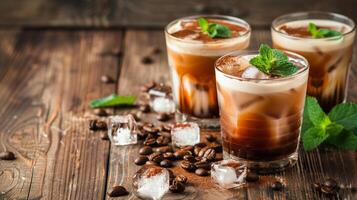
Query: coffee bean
[
  {"x": 7, "y": 155},
  {"x": 163, "y": 117},
  {"x": 142, "y": 135},
  {"x": 166, "y": 163},
  {"x": 164, "y": 133},
  {"x": 188, "y": 166},
  {"x": 104, "y": 136},
  {"x": 181, "y": 178},
  {"x": 150, "y": 163},
  {"x": 252, "y": 177},
  {"x": 145, "y": 150},
  {"x": 211, "y": 138},
  {"x": 216, "y": 146},
  {"x": 277, "y": 186},
  {"x": 197, "y": 150},
  {"x": 147, "y": 60},
  {"x": 317, "y": 186},
  {"x": 190, "y": 158},
  {"x": 100, "y": 112},
  {"x": 328, "y": 190},
  {"x": 101, "y": 125},
  {"x": 150, "y": 129},
  {"x": 145, "y": 108},
  {"x": 156, "y": 157},
  {"x": 118, "y": 191},
  {"x": 166, "y": 127},
  {"x": 177, "y": 187},
  {"x": 188, "y": 148},
  {"x": 163, "y": 141},
  {"x": 203, "y": 164},
  {"x": 201, "y": 145},
  {"x": 207, "y": 153},
  {"x": 150, "y": 141},
  {"x": 156, "y": 50},
  {"x": 164, "y": 149},
  {"x": 106, "y": 79},
  {"x": 201, "y": 172},
  {"x": 169, "y": 156},
  {"x": 141, "y": 160},
  {"x": 330, "y": 183},
  {"x": 179, "y": 154}
]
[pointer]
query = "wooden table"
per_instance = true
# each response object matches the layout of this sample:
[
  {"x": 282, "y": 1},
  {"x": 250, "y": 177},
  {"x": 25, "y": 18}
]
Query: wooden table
[{"x": 47, "y": 79}]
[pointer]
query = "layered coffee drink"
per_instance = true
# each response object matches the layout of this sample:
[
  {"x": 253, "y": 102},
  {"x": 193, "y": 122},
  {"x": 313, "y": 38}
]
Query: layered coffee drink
[
  {"x": 328, "y": 51},
  {"x": 191, "y": 57},
  {"x": 260, "y": 114}
]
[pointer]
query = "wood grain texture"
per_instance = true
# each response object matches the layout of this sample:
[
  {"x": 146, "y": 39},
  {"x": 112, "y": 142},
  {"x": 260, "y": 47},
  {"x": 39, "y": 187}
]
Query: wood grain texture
[
  {"x": 45, "y": 87},
  {"x": 312, "y": 166},
  {"x": 153, "y": 13}
]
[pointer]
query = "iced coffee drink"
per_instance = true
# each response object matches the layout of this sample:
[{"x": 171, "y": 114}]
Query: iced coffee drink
[
  {"x": 191, "y": 55},
  {"x": 261, "y": 114},
  {"x": 326, "y": 41}
]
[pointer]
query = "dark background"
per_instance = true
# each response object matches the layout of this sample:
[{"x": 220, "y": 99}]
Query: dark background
[{"x": 152, "y": 13}]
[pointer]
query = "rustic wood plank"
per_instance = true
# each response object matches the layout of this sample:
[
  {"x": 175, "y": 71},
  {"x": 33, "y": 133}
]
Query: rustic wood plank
[
  {"x": 312, "y": 166},
  {"x": 154, "y": 13},
  {"x": 46, "y": 87}
]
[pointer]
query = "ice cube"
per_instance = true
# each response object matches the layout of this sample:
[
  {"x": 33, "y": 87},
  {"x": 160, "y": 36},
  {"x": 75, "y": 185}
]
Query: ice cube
[
  {"x": 228, "y": 173},
  {"x": 122, "y": 130},
  {"x": 183, "y": 134},
  {"x": 163, "y": 105},
  {"x": 253, "y": 72},
  {"x": 151, "y": 182}
]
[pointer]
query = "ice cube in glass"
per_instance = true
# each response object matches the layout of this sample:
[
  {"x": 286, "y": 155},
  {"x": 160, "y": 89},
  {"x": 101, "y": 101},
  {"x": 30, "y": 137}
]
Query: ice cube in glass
[
  {"x": 151, "y": 182},
  {"x": 228, "y": 173},
  {"x": 183, "y": 134},
  {"x": 122, "y": 130}
]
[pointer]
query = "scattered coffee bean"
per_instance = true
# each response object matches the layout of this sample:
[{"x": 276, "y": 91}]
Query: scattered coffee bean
[
  {"x": 177, "y": 187},
  {"x": 104, "y": 135},
  {"x": 118, "y": 191},
  {"x": 150, "y": 163},
  {"x": 95, "y": 125},
  {"x": 147, "y": 60},
  {"x": 156, "y": 50},
  {"x": 252, "y": 177},
  {"x": 169, "y": 156},
  {"x": 100, "y": 112},
  {"x": 164, "y": 133},
  {"x": 106, "y": 79},
  {"x": 165, "y": 149},
  {"x": 181, "y": 178},
  {"x": 142, "y": 135},
  {"x": 163, "y": 141},
  {"x": 277, "y": 186},
  {"x": 7, "y": 155},
  {"x": 141, "y": 160},
  {"x": 179, "y": 154},
  {"x": 317, "y": 186},
  {"x": 163, "y": 117},
  {"x": 188, "y": 166},
  {"x": 203, "y": 164},
  {"x": 190, "y": 158},
  {"x": 150, "y": 129},
  {"x": 156, "y": 157},
  {"x": 217, "y": 147},
  {"x": 166, "y": 127},
  {"x": 211, "y": 138},
  {"x": 166, "y": 163},
  {"x": 207, "y": 153},
  {"x": 150, "y": 141},
  {"x": 330, "y": 183},
  {"x": 197, "y": 150},
  {"x": 145, "y": 108},
  {"x": 145, "y": 150},
  {"x": 201, "y": 172},
  {"x": 329, "y": 186},
  {"x": 328, "y": 190}
]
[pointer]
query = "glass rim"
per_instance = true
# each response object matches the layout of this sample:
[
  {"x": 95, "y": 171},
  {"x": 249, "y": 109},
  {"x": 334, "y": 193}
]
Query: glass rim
[
  {"x": 306, "y": 14},
  {"x": 236, "y": 20},
  {"x": 255, "y": 52}
]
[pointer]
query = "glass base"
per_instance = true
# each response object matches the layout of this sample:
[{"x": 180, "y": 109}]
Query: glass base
[
  {"x": 266, "y": 167},
  {"x": 203, "y": 123}
]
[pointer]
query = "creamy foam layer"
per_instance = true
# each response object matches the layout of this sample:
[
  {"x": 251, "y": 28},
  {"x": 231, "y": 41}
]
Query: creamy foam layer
[
  {"x": 265, "y": 86},
  {"x": 310, "y": 44},
  {"x": 213, "y": 48}
]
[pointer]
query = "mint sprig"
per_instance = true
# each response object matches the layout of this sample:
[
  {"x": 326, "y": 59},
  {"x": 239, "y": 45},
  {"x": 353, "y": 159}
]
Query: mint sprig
[
  {"x": 214, "y": 30},
  {"x": 322, "y": 33},
  {"x": 335, "y": 128},
  {"x": 273, "y": 62},
  {"x": 112, "y": 101}
]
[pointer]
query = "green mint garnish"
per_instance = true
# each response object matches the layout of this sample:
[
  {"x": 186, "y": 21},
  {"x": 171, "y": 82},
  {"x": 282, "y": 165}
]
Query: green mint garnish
[
  {"x": 337, "y": 128},
  {"x": 214, "y": 30},
  {"x": 273, "y": 62},
  {"x": 112, "y": 101},
  {"x": 322, "y": 33}
]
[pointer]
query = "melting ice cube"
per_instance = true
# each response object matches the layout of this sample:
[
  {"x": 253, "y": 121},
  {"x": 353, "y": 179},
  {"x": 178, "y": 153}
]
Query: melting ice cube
[
  {"x": 151, "y": 182},
  {"x": 253, "y": 72},
  {"x": 163, "y": 105},
  {"x": 228, "y": 173},
  {"x": 122, "y": 130},
  {"x": 183, "y": 134}
]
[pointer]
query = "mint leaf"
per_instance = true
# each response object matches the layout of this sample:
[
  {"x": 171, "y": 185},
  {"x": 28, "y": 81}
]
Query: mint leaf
[
  {"x": 322, "y": 33},
  {"x": 333, "y": 129},
  {"x": 346, "y": 115},
  {"x": 313, "y": 138},
  {"x": 315, "y": 113},
  {"x": 214, "y": 30},
  {"x": 345, "y": 140},
  {"x": 273, "y": 62},
  {"x": 113, "y": 100}
]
